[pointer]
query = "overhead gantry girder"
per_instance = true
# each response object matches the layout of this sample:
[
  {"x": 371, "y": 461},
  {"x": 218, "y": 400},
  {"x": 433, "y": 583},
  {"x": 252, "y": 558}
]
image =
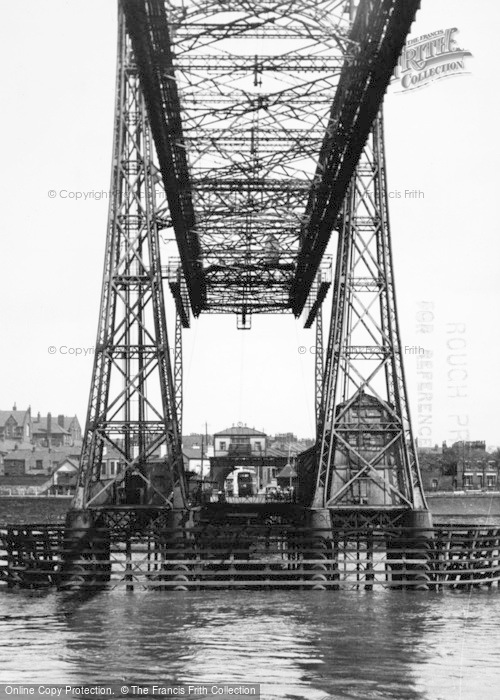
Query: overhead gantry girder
[
  {"x": 252, "y": 126},
  {"x": 256, "y": 150},
  {"x": 260, "y": 63},
  {"x": 378, "y": 33}
]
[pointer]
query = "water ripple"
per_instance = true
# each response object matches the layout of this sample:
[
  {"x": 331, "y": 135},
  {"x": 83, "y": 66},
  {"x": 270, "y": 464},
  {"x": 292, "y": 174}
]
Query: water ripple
[{"x": 393, "y": 645}]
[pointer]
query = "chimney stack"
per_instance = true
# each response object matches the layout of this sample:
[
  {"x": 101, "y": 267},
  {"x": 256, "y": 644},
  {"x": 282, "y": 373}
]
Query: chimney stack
[
  {"x": 14, "y": 407},
  {"x": 49, "y": 428}
]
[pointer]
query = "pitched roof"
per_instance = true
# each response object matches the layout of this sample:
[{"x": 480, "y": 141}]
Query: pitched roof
[
  {"x": 295, "y": 448},
  {"x": 69, "y": 419},
  {"x": 38, "y": 453},
  {"x": 112, "y": 453},
  {"x": 40, "y": 426},
  {"x": 23, "y": 480},
  {"x": 196, "y": 439},
  {"x": 192, "y": 453},
  {"x": 276, "y": 452},
  {"x": 26, "y": 454},
  {"x": 288, "y": 472},
  {"x": 18, "y": 416},
  {"x": 240, "y": 430},
  {"x": 67, "y": 462}
]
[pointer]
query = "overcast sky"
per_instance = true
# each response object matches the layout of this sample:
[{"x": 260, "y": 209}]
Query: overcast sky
[{"x": 58, "y": 94}]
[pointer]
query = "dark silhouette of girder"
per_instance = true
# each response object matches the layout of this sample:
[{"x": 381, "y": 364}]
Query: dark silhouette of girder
[
  {"x": 378, "y": 32},
  {"x": 149, "y": 34}
]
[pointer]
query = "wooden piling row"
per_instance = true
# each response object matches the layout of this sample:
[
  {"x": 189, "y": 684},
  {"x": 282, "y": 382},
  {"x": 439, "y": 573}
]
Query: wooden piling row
[{"x": 282, "y": 556}]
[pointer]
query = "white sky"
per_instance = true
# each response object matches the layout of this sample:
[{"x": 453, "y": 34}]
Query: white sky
[{"x": 58, "y": 93}]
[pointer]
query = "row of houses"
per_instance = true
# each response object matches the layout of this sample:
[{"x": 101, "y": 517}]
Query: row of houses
[
  {"x": 48, "y": 472},
  {"x": 463, "y": 466},
  {"x": 50, "y": 466},
  {"x": 34, "y": 448},
  {"x": 35, "y": 469},
  {"x": 20, "y": 427}
]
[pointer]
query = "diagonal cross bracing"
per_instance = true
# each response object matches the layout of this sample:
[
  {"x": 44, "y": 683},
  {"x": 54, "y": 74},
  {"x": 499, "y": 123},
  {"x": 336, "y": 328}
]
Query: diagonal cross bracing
[
  {"x": 366, "y": 452},
  {"x": 132, "y": 411}
]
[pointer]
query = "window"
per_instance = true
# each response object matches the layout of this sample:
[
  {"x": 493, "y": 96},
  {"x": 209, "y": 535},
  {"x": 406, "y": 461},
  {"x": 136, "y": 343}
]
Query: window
[
  {"x": 434, "y": 483},
  {"x": 222, "y": 445},
  {"x": 39, "y": 464},
  {"x": 112, "y": 468},
  {"x": 490, "y": 480},
  {"x": 467, "y": 480},
  {"x": 258, "y": 446},
  {"x": 480, "y": 481},
  {"x": 103, "y": 469},
  {"x": 363, "y": 491}
]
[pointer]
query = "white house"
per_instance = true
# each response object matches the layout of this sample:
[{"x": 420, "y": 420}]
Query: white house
[{"x": 241, "y": 440}]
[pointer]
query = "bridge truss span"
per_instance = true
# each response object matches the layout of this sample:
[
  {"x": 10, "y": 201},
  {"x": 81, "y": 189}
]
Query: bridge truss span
[{"x": 259, "y": 111}]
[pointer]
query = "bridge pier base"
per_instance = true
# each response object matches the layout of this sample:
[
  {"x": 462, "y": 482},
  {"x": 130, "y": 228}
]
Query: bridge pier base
[
  {"x": 412, "y": 548},
  {"x": 122, "y": 548},
  {"x": 85, "y": 561},
  {"x": 420, "y": 521},
  {"x": 323, "y": 550}
]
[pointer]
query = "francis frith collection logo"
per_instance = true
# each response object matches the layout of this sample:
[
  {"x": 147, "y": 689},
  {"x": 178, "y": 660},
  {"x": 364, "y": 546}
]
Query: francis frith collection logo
[{"x": 428, "y": 58}]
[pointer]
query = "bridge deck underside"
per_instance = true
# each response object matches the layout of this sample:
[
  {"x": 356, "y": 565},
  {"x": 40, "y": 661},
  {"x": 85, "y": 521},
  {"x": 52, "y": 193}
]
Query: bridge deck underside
[{"x": 259, "y": 112}]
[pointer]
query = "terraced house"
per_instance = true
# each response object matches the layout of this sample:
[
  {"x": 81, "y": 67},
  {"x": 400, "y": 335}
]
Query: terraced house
[{"x": 16, "y": 425}]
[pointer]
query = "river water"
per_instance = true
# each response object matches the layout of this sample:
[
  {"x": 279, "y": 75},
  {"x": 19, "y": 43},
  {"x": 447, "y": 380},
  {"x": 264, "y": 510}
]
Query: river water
[{"x": 309, "y": 645}]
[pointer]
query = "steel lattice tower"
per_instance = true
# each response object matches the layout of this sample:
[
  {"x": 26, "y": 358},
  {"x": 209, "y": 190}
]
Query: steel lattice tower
[
  {"x": 132, "y": 407},
  {"x": 367, "y": 455}
]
